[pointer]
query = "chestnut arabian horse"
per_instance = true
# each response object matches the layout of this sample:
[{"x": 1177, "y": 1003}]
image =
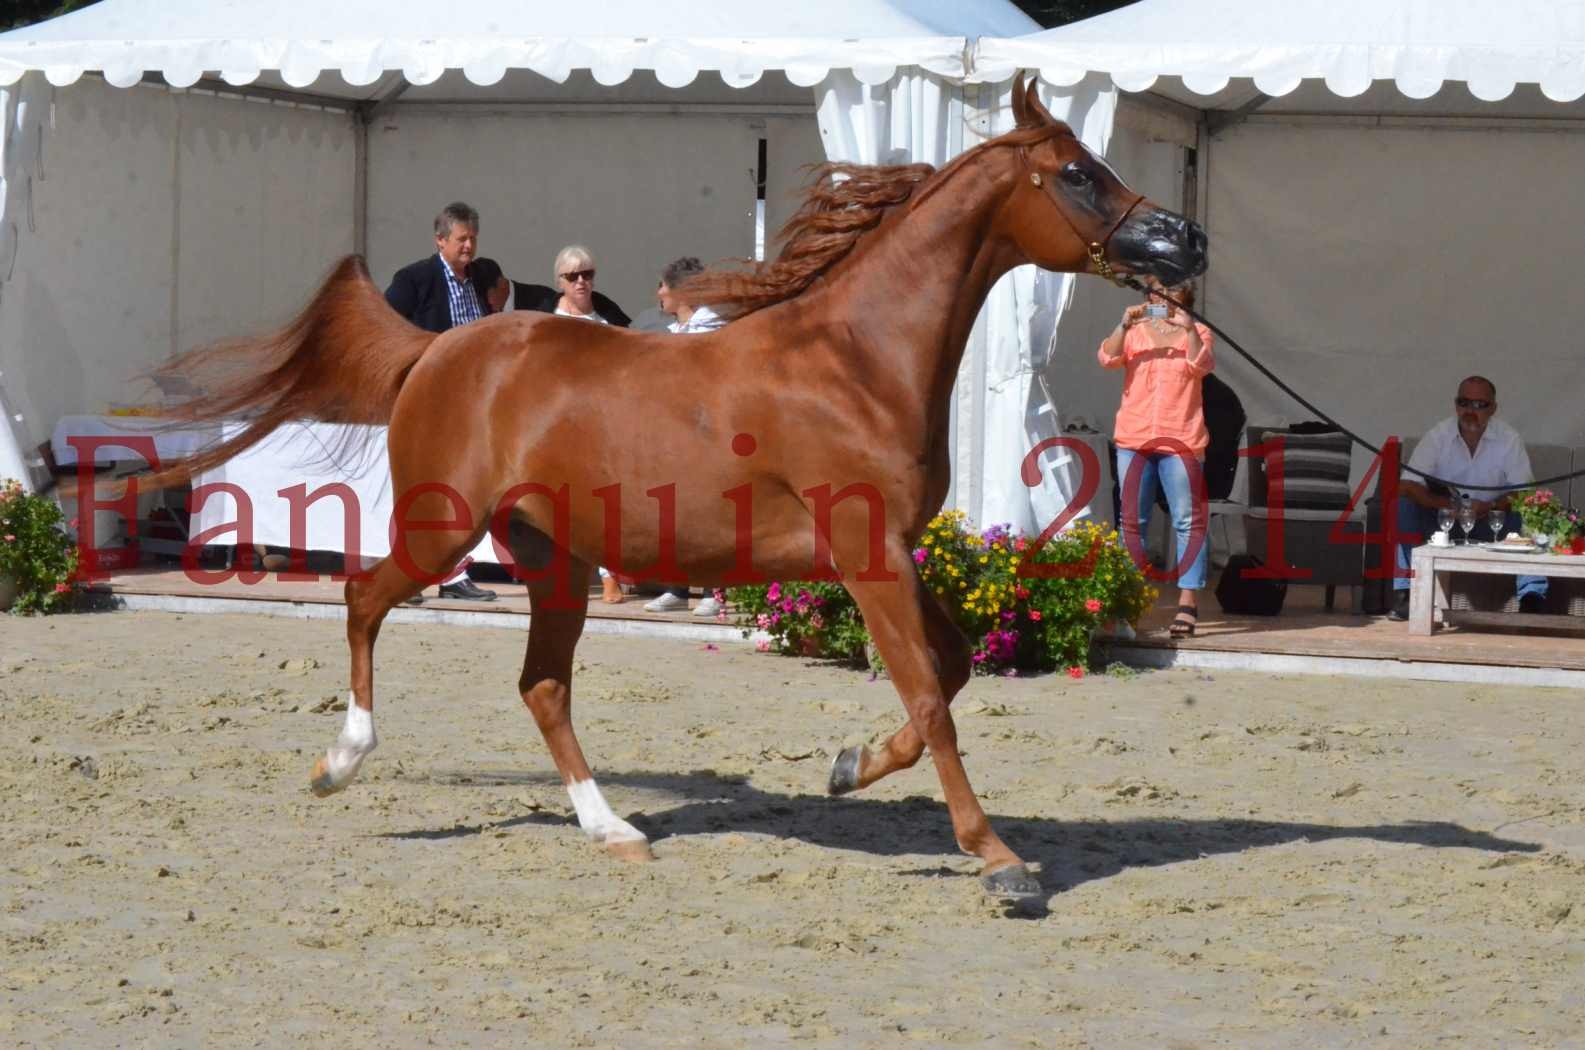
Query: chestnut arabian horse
[{"x": 805, "y": 439}]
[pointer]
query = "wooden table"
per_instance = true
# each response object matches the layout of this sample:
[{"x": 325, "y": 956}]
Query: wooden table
[{"x": 1432, "y": 565}]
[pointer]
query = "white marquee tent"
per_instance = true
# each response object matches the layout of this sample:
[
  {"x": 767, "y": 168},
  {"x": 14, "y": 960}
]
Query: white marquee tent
[
  {"x": 209, "y": 158},
  {"x": 1391, "y": 189}
]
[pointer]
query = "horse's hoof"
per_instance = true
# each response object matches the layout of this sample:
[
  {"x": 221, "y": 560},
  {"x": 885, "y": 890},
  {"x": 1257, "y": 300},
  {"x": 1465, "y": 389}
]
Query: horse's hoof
[
  {"x": 321, "y": 783},
  {"x": 845, "y": 771},
  {"x": 636, "y": 851},
  {"x": 1013, "y": 883}
]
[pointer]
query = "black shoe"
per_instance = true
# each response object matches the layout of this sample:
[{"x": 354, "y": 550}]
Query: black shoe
[
  {"x": 466, "y": 590},
  {"x": 417, "y": 599},
  {"x": 1532, "y": 603},
  {"x": 1400, "y": 606}
]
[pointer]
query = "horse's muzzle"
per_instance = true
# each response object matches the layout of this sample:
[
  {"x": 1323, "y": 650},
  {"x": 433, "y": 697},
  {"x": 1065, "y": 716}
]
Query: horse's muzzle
[{"x": 1162, "y": 244}]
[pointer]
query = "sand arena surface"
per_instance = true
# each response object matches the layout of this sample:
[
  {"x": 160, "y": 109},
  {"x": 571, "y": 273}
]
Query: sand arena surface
[{"x": 1234, "y": 860}]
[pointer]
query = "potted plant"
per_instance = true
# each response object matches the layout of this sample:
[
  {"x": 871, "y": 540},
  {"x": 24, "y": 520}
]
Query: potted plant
[
  {"x": 38, "y": 560},
  {"x": 1545, "y": 519}
]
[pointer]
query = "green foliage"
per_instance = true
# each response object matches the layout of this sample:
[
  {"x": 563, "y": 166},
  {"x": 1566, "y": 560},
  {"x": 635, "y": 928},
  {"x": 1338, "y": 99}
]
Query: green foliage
[
  {"x": 1543, "y": 514},
  {"x": 1060, "y": 12},
  {"x": 1020, "y": 608},
  {"x": 807, "y": 619},
  {"x": 18, "y": 13},
  {"x": 35, "y": 551}
]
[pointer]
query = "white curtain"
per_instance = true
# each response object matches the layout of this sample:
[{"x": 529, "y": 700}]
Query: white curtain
[
  {"x": 24, "y": 106},
  {"x": 999, "y": 411}
]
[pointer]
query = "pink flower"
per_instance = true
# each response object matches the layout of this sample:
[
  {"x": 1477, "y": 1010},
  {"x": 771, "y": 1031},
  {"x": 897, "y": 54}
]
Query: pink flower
[
  {"x": 762, "y": 647},
  {"x": 1034, "y": 614},
  {"x": 1022, "y": 592},
  {"x": 10, "y": 538},
  {"x": 74, "y": 522},
  {"x": 61, "y": 588},
  {"x": 920, "y": 554},
  {"x": 979, "y": 658},
  {"x": 1075, "y": 672},
  {"x": 1093, "y": 605},
  {"x": 774, "y": 593}
]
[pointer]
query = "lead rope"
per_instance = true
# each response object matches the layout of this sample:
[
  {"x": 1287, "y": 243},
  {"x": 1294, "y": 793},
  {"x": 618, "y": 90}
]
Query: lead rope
[{"x": 1129, "y": 281}]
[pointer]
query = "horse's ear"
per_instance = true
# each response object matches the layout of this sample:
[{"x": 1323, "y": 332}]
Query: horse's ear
[
  {"x": 1020, "y": 108},
  {"x": 1038, "y": 113}
]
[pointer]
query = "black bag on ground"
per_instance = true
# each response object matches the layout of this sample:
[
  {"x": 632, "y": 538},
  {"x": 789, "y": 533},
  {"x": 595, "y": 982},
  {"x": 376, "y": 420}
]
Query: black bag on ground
[{"x": 1246, "y": 597}]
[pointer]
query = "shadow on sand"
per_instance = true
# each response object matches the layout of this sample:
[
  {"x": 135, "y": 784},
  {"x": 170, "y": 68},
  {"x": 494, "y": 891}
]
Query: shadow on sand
[{"x": 1070, "y": 852}]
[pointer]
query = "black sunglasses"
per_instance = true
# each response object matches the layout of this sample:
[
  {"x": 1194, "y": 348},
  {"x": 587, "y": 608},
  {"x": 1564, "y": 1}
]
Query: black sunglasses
[
  {"x": 1477, "y": 404},
  {"x": 573, "y": 277}
]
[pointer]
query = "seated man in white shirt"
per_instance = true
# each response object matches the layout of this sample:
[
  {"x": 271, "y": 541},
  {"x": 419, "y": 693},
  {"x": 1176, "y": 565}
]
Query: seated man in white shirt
[{"x": 1471, "y": 451}]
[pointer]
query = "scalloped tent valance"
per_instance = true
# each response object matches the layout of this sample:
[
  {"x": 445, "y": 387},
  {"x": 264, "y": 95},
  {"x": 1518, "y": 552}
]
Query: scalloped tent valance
[
  {"x": 1417, "y": 44},
  {"x": 363, "y": 40}
]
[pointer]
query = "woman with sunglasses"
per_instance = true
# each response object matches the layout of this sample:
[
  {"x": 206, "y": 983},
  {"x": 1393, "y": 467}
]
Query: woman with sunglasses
[
  {"x": 1160, "y": 427},
  {"x": 575, "y": 280},
  {"x": 574, "y": 296}
]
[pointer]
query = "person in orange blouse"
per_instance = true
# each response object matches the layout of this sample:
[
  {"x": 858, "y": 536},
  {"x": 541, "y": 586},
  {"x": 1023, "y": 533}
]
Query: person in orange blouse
[{"x": 1160, "y": 426}]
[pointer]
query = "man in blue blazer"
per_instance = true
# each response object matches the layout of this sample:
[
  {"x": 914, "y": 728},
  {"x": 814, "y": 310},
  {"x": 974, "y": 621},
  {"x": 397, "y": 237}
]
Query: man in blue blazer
[
  {"x": 446, "y": 289},
  {"x": 442, "y": 291}
]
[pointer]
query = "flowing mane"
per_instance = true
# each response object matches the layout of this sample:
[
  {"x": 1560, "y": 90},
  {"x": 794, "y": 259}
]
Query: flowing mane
[{"x": 842, "y": 203}]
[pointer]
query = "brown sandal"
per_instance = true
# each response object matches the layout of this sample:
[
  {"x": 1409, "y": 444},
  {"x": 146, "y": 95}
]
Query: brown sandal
[{"x": 1182, "y": 628}]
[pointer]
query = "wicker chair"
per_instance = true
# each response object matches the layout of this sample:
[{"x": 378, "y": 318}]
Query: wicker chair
[{"x": 1308, "y": 540}]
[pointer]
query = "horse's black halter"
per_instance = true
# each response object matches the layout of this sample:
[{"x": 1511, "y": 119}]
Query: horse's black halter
[{"x": 1097, "y": 249}]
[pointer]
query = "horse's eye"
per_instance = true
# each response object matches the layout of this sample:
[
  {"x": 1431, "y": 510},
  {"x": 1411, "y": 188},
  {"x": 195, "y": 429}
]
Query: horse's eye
[{"x": 1076, "y": 176}]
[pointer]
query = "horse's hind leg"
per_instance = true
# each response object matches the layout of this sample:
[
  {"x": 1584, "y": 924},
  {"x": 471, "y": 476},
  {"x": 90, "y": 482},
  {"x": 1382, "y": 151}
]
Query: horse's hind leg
[
  {"x": 370, "y": 596},
  {"x": 859, "y": 767},
  {"x": 546, "y": 686}
]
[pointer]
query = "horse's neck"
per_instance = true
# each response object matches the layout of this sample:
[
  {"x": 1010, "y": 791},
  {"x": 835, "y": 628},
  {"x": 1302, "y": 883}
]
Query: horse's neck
[{"x": 931, "y": 269}]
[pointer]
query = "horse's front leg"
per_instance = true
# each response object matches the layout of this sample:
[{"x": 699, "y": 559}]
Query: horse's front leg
[
  {"x": 895, "y": 613},
  {"x": 858, "y": 766},
  {"x": 546, "y": 687}
]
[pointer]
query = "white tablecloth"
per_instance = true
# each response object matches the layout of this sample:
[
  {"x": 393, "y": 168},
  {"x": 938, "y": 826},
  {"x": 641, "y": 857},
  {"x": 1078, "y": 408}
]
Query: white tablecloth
[
  {"x": 312, "y": 454},
  {"x": 169, "y": 442}
]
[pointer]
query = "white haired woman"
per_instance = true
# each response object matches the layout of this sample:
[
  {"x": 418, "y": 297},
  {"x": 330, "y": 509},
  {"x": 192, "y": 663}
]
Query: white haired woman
[{"x": 574, "y": 273}]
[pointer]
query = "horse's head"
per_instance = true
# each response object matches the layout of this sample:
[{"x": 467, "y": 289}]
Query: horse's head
[{"x": 1070, "y": 212}]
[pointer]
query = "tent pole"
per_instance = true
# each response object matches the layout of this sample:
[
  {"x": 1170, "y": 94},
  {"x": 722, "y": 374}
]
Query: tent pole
[
  {"x": 389, "y": 89},
  {"x": 360, "y": 183}
]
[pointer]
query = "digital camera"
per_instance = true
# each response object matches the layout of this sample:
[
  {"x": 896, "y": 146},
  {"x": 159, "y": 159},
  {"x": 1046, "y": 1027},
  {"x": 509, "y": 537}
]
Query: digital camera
[{"x": 1156, "y": 310}]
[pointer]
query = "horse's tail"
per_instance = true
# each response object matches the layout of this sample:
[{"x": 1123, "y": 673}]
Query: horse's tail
[{"x": 342, "y": 360}]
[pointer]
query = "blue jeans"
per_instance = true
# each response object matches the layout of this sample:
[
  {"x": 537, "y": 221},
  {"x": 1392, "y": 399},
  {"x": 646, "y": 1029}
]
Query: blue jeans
[
  {"x": 1413, "y": 518},
  {"x": 1166, "y": 471}
]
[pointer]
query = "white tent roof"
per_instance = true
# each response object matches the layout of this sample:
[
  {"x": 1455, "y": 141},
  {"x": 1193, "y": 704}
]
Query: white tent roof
[
  {"x": 364, "y": 39},
  {"x": 1419, "y": 44}
]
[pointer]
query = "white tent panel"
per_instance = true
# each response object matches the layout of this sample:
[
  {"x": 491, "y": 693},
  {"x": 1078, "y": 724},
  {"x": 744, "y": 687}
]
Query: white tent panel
[
  {"x": 1418, "y": 44},
  {"x": 362, "y": 39},
  {"x": 1373, "y": 267},
  {"x": 261, "y": 213},
  {"x": 166, "y": 220}
]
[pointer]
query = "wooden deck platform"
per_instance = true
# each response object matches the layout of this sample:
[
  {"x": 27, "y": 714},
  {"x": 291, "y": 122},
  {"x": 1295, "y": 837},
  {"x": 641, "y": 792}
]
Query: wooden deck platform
[{"x": 1305, "y": 638}]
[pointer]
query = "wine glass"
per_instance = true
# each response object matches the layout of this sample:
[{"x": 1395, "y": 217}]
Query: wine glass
[
  {"x": 1466, "y": 518},
  {"x": 1496, "y": 520},
  {"x": 1444, "y": 523}
]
